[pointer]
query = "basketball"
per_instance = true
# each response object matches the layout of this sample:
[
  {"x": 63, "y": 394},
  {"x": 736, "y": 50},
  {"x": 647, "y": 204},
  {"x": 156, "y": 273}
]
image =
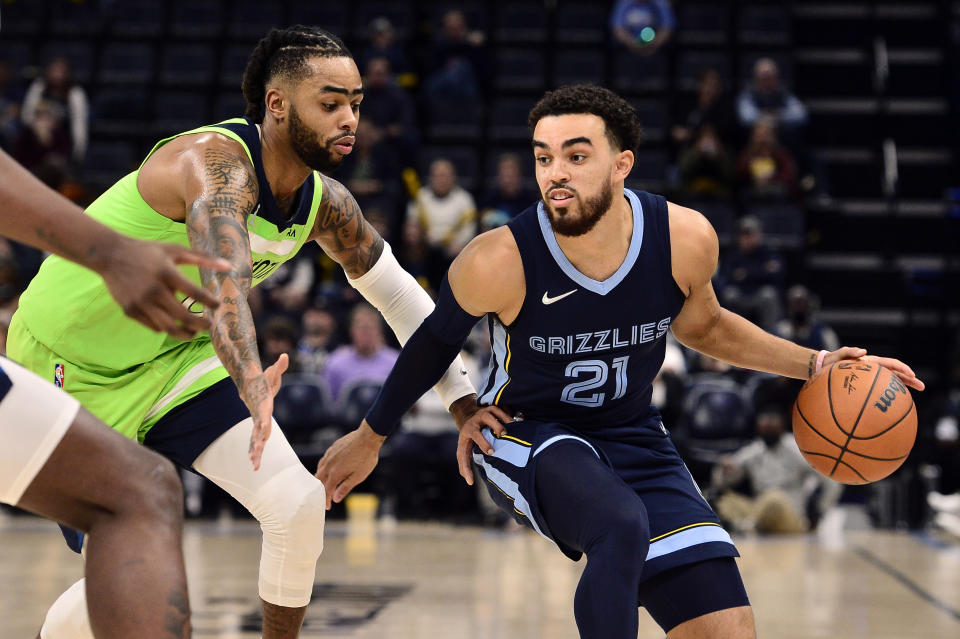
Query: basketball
[{"x": 855, "y": 422}]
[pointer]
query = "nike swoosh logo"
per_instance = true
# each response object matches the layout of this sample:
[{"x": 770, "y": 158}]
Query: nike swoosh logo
[{"x": 550, "y": 300}]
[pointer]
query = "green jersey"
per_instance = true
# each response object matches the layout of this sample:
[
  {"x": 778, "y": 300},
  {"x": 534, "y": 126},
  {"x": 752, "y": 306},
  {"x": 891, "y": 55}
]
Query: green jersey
[{"x": 68, "y": 308}]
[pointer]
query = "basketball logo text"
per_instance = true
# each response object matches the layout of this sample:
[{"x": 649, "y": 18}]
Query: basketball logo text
[{"x": 889, "y": 394}]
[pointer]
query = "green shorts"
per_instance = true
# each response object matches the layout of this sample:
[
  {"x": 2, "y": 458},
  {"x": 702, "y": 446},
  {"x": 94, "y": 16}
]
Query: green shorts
[{"x": 130, "y": 401}]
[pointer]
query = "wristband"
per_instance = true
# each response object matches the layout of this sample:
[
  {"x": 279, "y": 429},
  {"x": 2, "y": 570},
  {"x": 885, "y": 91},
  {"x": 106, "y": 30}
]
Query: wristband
[{"x": 819, "y": 364}]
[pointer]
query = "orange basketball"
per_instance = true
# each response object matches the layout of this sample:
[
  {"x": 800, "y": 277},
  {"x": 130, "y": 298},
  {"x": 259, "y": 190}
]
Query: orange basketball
[{"x": 855, "y": 422}]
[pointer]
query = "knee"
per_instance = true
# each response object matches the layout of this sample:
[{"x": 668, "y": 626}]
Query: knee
[
  {"x": 626, "y": 535},
  {"x": 153, "y": 493},
  {"x": 295, "y": 512}
]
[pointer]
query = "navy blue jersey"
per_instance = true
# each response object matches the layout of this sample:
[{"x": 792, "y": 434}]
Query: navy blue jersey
[{"x": 583, "y": 352}]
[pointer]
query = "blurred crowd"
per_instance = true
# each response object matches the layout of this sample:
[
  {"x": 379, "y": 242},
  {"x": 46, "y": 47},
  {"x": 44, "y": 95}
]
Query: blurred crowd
[{"x": 741, "y": 144}]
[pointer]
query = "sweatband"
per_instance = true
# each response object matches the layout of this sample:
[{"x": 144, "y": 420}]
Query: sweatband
[
  {"x": 423, "y": 359},
  {"x": 404, "y": 305}
]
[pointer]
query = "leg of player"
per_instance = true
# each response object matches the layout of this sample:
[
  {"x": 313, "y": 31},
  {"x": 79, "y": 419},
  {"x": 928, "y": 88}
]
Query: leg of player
[
  {"x": 732, "y": 623},
  {"x": 290, "y": 505},
  {"x": 593, "y": 511},
  {"x": 128, "y": 500}
]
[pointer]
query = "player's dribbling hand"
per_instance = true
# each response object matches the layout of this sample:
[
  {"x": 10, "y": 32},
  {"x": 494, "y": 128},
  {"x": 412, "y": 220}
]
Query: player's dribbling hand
[
  {"x": 262, "y": 412},
  {"x": 349, "y": 461},
  {"x": 901, "y": 370},
  {"x": 492, "y": 417},
  {"x": 143, "y": 279}
]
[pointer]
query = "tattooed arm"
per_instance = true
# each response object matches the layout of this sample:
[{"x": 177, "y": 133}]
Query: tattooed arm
[
  {"x": 343, "y": 232},
  {"x": 222, "y": 192},
  {"x": 141, "y": 276}
]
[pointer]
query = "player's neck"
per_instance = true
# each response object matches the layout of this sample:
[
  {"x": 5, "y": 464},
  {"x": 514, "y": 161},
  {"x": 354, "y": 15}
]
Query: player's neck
[
  {"x": 600, "y": 252},
  {"x": 285, "y": 172}
]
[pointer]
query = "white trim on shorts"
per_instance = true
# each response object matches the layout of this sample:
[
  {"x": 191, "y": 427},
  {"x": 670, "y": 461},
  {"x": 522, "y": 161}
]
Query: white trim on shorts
[{"x": 34, "y": 416}]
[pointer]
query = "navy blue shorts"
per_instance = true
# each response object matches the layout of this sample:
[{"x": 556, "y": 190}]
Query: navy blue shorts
[{"x": 683, "y": 527}]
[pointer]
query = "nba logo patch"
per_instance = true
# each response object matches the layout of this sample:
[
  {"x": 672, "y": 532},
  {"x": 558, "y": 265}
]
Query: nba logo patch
[{"x": 58, "y": 375}]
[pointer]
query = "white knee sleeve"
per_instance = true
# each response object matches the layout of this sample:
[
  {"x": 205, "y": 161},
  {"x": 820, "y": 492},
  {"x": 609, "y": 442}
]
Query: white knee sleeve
[
  {"x": 67, "y": 617},
  {"x": 285, "y": 498}
]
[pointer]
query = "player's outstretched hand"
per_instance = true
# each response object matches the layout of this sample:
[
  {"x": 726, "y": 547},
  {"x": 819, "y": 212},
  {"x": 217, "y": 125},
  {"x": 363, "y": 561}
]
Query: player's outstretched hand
[
  {"x": 349, "y": 461},
  {"x": 143, "y": 278},
  {"x": 492, "y": 417},
  {"x": 264, "y": 390},
  {"x": 901, "y": 370}
]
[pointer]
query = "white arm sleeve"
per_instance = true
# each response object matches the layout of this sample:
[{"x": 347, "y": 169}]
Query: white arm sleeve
[{"x": 404, "y": 304}]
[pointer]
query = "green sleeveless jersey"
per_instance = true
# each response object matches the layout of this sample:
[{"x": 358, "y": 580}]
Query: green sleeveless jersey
[{"x": 68, "y": 308}]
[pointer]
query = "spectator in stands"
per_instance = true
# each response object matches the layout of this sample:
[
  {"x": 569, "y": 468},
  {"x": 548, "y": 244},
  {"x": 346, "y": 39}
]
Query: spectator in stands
[
  {"x": 389, "y": 111},
  {"x": 10, "y": 99},
  {"x": 750, "y": 280},
  {"x": 367, "y": 356},
  {"x": 279, "y": 336},
  {"x": 669, "y": 383},
  {"x": 767, "y": 96},
  {"x": 287, "y": 290},
  {"x": 712, "y": 107},
  {"x": 319, "y": 327},
  {"x": 65, "y": 101},
  {"x": 43, "y": 146},
  {"x": 457, "y": 62},
  {"x": 767, "y": 169},
  {"x": 445, "y": 211},
  {"x": 706, "y": 169},
  {"x": 781, "y": 481},
  {"x": 939, "y": 447},
  {"x": 642, "y": 26},
  {"x": 427, "y": 263},
  {"x": 802, "y": 325},
  {"x": 509, "y": 196},
  {"x": 384, "y": 45},
  {"x": 371, "y": 172}
]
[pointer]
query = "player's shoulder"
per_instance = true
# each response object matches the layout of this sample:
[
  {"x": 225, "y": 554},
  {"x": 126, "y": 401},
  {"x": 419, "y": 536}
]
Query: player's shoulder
[
  {"x": 491, "y": 268},
  {"x": 690, "y": 231},
  {"x": 202, "y": 151}
]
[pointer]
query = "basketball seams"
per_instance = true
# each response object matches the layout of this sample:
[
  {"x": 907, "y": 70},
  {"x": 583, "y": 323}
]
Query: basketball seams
[
  {"x": 891, "y": 426},
  {"x": 807, "y": 422},
  {"x": 810, "y": 452},
  {"x": 853, "y": 429}
]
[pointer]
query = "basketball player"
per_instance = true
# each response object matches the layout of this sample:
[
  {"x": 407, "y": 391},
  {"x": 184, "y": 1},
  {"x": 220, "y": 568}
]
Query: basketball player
[
  {"x": 580, "y": 291},
  {"x": 59, "y": 461},
  {"x": 249, "y": 191}
]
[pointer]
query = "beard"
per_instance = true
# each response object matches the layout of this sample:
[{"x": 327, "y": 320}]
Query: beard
[
  {"x": 309, "y": 147},
  {"x": 567, "y": 222}
]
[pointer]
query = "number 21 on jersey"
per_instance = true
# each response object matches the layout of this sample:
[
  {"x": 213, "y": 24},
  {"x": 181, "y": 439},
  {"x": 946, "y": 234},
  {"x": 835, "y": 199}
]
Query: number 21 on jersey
[{"x": 592, "y": 374}]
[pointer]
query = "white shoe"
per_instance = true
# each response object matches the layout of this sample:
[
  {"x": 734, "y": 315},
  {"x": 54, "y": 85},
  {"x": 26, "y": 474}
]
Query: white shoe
[{"x": 944, "y": 503}]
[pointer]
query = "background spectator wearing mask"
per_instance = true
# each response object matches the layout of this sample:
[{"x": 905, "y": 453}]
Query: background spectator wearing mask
[
  {"x": 66, "y": 103},
  {"x": 706, "y": 169},
  {"x": 750, "y": 280},
  {"x": 802, "y": 325},
  {"x": 458, "y": 65},
  {"x": 388, "y": 112},
  {"x": 445, "y": 211},
  {"x": 319, "y": 328},
  {"x": 781, "y": 481},
  {"x": 383, "y": 44},
  {"x": 767, "y": 169},
  {"x": 712, "y": 106},
  {"x": 766, "y": 96}
]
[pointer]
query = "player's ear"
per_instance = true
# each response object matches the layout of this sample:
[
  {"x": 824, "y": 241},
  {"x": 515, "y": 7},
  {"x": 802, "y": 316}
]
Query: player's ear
[
  {"x": 623, "y": 164},
  {"x": 277, "y": 103}
]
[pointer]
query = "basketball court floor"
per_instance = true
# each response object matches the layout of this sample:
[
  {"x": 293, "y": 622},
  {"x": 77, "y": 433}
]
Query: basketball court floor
[{"x": 423, "y": 581}]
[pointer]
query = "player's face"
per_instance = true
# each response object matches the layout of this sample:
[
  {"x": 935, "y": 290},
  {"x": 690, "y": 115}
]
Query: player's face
[
  {"x": 575, "y": 171},
  {"x": 324, "y": 112}
]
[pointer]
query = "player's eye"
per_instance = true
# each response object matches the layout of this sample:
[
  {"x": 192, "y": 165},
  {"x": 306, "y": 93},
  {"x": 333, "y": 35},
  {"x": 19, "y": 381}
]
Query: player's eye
[
  {"x": 330, "y": 106},
  {"x": 578, "y": 158},
  {"x": 355, "y": 107},
  {"x": 542, "y": 160}
]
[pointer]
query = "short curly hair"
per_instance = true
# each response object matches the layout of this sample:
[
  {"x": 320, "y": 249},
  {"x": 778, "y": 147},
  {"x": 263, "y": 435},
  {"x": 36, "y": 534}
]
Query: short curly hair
[{"x": 619, "y": 117}]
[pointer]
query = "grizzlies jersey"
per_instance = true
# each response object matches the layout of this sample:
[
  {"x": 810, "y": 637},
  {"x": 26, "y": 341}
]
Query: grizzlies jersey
[
  {"x": 68, "y": 309},
  {"x": 582, "y": 352}
]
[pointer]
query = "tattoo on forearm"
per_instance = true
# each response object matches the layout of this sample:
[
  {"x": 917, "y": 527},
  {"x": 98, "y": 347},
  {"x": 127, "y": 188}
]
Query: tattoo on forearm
[
  {"x": 178, "y": 615},
  {"x": 810, "y": 365},
  {"x": 216, "y": 224},
  {"x": 343, "y": 232}
]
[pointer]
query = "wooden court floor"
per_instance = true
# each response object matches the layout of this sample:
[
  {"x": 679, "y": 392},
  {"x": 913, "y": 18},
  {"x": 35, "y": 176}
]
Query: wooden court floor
[{"x": 438, "y": 581}]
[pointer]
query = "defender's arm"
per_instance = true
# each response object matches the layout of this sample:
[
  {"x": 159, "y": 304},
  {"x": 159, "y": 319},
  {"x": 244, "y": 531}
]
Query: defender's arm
[{"x": 345, "y": 235}]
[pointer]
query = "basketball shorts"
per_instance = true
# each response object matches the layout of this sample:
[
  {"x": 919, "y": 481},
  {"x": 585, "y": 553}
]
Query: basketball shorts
[
  {"x": 131, "y": 400},
  {"x": 683, "y": 527},
  {"x": 34, "y": 416}
]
